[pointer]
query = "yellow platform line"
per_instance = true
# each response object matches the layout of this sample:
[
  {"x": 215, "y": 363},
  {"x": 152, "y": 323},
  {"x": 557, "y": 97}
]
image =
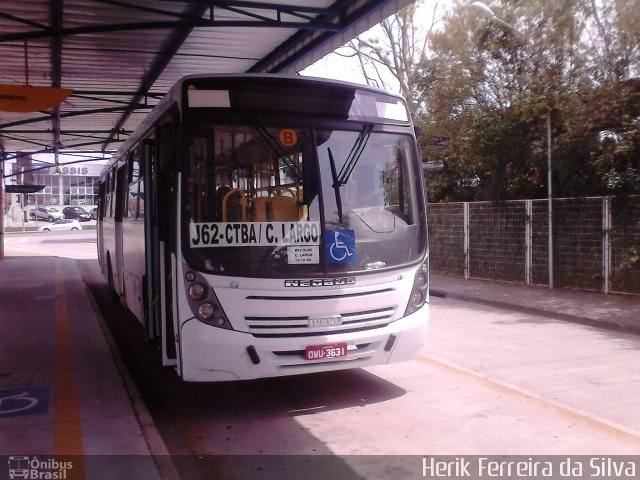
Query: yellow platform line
[
  {"x": 67, "y": 433},
  {"x": 598, "y": 424}
]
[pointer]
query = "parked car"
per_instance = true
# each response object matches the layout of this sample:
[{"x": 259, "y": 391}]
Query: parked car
[
  {"x": 62, "y": 224},
  {"x": 94, "y": 213},
  {"x": 47, "y": 213},
  {"x": 77, "y": 213}
]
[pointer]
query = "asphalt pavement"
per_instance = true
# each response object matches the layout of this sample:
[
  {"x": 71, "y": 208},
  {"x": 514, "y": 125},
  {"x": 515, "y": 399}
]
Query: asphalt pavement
[{"x": 59, "y": 361}]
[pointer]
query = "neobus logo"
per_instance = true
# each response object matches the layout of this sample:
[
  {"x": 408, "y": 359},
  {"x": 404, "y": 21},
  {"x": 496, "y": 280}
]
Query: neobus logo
[{"x": 321, "y": 282}]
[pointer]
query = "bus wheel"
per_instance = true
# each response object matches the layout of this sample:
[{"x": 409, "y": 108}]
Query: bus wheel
[
  {"x": 152, "y": 339},
  {"x": 114, "y": 294}
]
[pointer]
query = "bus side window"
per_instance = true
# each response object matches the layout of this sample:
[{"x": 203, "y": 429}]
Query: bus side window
[
  {"x": 101, "y": 199},
  {"x": 121, "y": 193},
  {"x": 132, "y": 201},
  {"x": 140, "y": 213}
]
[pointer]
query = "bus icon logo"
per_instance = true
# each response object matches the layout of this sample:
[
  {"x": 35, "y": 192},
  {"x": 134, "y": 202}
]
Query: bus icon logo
[
  {"x": 19, "y": 467},
  {"x": 35, "y": 468}
]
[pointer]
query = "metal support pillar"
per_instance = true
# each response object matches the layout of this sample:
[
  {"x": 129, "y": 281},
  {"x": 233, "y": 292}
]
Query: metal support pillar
[{"x": 467, "y": 259}]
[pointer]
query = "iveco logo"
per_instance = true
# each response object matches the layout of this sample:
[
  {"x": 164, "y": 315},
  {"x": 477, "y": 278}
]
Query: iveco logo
[
  {"x": 332, "y": 321},
  {"x": 321, "y": 282}
]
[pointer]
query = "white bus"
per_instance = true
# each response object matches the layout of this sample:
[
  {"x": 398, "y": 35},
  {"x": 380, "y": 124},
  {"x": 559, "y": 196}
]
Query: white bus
[{"x": 263, "y": 225}]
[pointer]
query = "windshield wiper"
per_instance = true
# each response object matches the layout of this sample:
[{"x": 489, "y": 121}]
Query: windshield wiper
[
  {"x": 336, "y": 184},
  {"x": 340, "y": 179},
  {"x": 354, "y": 155}
]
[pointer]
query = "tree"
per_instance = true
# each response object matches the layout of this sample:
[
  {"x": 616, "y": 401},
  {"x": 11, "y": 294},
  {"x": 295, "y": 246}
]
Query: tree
[
  {"x": 488, "y": 91},
  {"x": 390, "y": 52}
]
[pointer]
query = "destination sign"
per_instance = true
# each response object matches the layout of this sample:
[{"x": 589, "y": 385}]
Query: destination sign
[{"x": 253, "y": 234}]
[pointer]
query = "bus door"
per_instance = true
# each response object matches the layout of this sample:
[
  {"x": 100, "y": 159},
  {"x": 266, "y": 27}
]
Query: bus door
[
  {"x": 151, "y": 280},
  {"x": 100, "y": 221},
  {"x": 164, "y": 240},
  {"x": 121, "y": 203}
]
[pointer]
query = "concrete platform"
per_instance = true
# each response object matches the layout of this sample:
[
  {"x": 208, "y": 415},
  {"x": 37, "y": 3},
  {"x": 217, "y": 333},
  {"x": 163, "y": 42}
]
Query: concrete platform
[
  {"x": 615, "y": 312},
  {"x": 63, "y": 392}
]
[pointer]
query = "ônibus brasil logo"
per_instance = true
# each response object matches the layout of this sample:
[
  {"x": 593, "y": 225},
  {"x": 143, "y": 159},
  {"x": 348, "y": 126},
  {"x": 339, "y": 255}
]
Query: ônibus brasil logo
[{"x": 33, "y": 468}]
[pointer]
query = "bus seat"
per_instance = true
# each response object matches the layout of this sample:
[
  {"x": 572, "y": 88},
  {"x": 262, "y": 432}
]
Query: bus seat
[
  {"x": 220, "y": 196},
  {"x": 234, "y": 206},
  {"x": 283, "y": 209},
  {"x": 260, "y": 209},
  {"x": 282, "y": 191}
]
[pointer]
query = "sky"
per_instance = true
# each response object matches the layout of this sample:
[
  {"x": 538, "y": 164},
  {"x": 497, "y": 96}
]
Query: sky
[{"x": 338, "y": 67}]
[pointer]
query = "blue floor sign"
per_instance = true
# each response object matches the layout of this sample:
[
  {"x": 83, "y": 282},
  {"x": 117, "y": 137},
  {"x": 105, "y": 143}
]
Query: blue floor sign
[{"x": 15, "y": 402}]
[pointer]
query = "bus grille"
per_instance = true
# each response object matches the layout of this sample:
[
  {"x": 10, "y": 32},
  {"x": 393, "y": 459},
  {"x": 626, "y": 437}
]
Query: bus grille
[{"x": 292, "y": 326}]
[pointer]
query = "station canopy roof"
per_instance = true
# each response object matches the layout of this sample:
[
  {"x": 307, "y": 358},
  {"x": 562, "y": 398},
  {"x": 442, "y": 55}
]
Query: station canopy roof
[{"x": 121, "y": 56}]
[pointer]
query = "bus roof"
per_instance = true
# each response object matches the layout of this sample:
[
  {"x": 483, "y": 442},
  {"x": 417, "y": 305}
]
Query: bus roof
[{"x": 173, "y": 100}]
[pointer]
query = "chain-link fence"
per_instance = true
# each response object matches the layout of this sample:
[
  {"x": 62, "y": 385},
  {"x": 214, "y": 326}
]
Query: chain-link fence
[
  {"x": 595, "y": 242},
  {"x": 446, "y": 232},
  {"x": 496, "y": 240}
]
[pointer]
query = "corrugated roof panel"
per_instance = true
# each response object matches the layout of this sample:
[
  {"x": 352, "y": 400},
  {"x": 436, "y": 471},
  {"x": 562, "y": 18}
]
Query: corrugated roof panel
[{"x": 115, "y": 54}]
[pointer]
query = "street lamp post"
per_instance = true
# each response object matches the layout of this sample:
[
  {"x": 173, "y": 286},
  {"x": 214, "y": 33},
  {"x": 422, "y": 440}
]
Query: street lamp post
[
  {"x": 549, "y": 201},
  {"x": 484, "y": 11},
  {"x": 1, "y": 205}
]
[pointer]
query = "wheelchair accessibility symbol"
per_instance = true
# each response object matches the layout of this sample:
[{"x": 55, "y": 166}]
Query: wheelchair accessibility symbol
[
  {"x": 24, "y": 401},
  {"x": 341, "y": 246}
]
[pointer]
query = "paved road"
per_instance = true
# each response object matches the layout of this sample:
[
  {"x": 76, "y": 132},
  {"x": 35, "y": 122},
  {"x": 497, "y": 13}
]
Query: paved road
[
  {"x": 493, "y": 381},
  {"x": 594, "y": 371},
  {"x": 78, "y": 244}
]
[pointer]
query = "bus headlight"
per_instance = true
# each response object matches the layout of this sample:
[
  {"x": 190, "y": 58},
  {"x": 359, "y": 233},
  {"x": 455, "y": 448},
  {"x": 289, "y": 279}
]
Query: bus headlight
[
  {"x": 420, "y": 292},
  {"x": 197, "y": 291},
  {"x": 206, "y": 310},
  {"x": 203, "y": 301}
]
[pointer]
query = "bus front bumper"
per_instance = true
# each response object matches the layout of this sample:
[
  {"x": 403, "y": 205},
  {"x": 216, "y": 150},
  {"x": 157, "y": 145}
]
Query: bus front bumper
[{"x": 209, "y": 354}]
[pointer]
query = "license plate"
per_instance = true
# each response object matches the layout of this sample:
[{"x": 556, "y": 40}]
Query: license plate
[{"x": 320, "y": 352}]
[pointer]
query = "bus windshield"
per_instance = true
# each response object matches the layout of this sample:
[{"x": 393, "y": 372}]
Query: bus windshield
[{"x": 278, "y": 201}]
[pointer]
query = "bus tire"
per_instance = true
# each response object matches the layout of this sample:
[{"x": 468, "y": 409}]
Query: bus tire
[
  {"x": 112, "y": 289},
  {"x": 153, "y": 341}
]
